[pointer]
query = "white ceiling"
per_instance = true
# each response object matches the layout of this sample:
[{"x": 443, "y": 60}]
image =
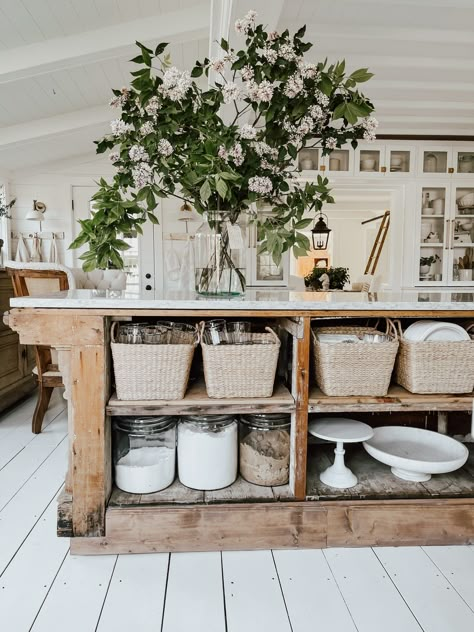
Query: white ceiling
[{"x": 59, "y": 60}]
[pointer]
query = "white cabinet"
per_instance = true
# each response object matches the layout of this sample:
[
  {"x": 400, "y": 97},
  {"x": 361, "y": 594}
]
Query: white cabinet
[
  {"x": 435, "y": 160},
  {"x": 339, "y": 163},
  {"x": 370, "y": 160},
  {"x": 463, "y": 163},
  {"x": 400, "y": 161}
]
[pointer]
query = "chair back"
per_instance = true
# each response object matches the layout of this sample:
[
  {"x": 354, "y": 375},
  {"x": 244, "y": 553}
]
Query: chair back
[{"x": 30, "y": 280}]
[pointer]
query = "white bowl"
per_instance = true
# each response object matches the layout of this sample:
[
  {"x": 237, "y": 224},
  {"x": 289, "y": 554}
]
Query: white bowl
[
  {"x": 367, "y": 164},
  {"x": 467, "y": 200},
  {"x": 424, "y": 330},
  {"x": 415, "y": 454}
]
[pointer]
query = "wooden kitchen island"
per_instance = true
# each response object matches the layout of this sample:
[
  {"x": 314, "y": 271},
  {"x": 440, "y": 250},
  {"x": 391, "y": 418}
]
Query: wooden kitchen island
[{"x": 99, "y": 518}]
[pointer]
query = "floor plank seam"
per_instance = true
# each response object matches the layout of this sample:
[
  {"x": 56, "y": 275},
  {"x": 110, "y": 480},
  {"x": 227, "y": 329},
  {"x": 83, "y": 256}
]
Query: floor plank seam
[
  {"x": 48, "y": 591},
  {"x": 281, "y": 590},
  {"x": 339, "y": 589},
  {"x": 446, "y": 578},
  {"x": 166, "y": 594},
  {"x": 398, "y": 590},
  {"x": 106, "y": 594},
  {"x": 223, "y": 593}
]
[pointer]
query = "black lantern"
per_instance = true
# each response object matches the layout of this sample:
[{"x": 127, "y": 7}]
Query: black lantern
[{"x": 320, "y": 233}]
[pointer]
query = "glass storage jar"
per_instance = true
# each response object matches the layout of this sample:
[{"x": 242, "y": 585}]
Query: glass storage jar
[
  {"x": 265, "y": 448},
  {"x": 144, "y": 453},
  {"x": 207, "y": 451}
]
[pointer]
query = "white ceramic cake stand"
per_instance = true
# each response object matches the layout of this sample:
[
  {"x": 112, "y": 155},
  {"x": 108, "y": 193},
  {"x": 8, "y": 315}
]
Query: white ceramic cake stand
[{"x": 341, "y": 431}]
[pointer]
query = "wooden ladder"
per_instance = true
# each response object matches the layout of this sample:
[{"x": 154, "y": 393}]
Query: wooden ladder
[{"x": 379, "y": 241}]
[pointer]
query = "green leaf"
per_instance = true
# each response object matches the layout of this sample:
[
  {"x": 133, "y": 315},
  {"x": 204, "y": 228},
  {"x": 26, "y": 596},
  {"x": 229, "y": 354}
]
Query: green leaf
[
  {"x": 120, "y": 244},
  {"x": 197, "y": 71},
  {"x": 80, "y": 240},
  {"x": 302, "y": 223},
  {"x": 205, "y": 191},
  {"x": 221, "y": 187},
  {"x": 361, "y": 76},
  {"x": 153, "y": 219},
  {"x": 160, "y": 48},
  {"x": 298, "y": 251},
  {"x": 224, "y": 45}
]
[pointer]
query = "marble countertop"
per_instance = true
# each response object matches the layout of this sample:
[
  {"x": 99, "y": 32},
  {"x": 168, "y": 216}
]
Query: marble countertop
[{"x": 255, "y": 300}]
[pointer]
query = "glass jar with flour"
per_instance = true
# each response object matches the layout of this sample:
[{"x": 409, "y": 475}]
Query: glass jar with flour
[
  {"x": 265, "y": 448},
  {"x": 144, "y": 453},
  {"x": 207, "y": 451}
]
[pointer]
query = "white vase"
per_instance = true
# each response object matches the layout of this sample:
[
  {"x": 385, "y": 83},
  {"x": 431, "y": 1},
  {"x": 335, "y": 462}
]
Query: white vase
[
  {"x": 424, "y": 270},
  {"x": 465, "y": 275}
]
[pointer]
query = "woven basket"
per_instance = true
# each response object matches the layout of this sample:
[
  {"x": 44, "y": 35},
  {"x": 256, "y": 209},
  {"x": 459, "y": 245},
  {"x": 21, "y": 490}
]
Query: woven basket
[
  {"x": 364, "y": 368},
  {"x": 435, "y": 366},
  {"x": 151, "y": 371},
  {"x": 241, "y": 370}
]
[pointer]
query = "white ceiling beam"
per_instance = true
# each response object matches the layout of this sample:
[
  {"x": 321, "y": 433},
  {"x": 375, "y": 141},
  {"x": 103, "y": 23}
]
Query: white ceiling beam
[
  {"x": 105, "y": 43},
  {"x": 54, "y": 125}
]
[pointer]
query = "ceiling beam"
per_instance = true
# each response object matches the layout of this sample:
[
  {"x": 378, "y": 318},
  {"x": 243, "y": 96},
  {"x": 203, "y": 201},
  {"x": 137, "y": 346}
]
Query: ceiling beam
[{"x": 105, "y": 43}]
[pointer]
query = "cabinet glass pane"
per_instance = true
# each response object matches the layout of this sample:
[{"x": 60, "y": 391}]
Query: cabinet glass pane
[
  {"x": 308, "y": 160},
  {"x": 338, "y": 160},
  {"x": 399, "y": 161},
  {"x": 267, "y": 270},
  {"x": 369, "y": 160},
  {"x": 435, "y": 161},
  {"x": 465, "y": 162},
  {"x": 464, "y": 202},
  {"x": 432, "y": 233},
  {"x": 462, "y": 263}
]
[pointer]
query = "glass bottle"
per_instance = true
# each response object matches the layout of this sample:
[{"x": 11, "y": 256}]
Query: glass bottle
[
  {"x": 456, "y": 275},
  {"x": 220, "y": 254},
  {"x": 144, "y": 450},
  {"x": 265, "y": 448}
]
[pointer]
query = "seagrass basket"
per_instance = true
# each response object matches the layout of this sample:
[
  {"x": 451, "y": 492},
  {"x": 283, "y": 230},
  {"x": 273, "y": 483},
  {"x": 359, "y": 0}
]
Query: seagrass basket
[
  {"x": 435, "y": 366},
  {"x": 241, "y": 370},
  {"x": 146, "y": 371},
  {"x": 362, "y": 368}
]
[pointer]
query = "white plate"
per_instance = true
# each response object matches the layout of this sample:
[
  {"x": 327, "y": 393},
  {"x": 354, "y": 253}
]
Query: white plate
[
  {"x": 414, "y": 454},
  {"x": 424, "y": 330}
]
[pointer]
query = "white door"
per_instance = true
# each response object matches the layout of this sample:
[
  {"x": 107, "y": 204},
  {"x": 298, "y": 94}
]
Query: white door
[{"x": 139, "y": 261}]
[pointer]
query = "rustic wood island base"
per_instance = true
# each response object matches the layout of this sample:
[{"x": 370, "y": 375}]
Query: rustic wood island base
[{"x": 99, "y": 518}]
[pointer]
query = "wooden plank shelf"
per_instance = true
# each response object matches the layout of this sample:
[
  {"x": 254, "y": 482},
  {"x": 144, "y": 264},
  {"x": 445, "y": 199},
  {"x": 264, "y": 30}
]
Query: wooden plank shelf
[
  {"x": 376, "y": 481},
  {"x": 197, "y": 402},
  {"x": 397, "y": 399},
  {"x": 179, "y": 494}
]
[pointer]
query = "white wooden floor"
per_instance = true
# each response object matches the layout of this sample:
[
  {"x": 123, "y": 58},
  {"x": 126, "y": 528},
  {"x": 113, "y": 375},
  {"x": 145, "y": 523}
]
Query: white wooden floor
[{"x": 44, "y": 589}]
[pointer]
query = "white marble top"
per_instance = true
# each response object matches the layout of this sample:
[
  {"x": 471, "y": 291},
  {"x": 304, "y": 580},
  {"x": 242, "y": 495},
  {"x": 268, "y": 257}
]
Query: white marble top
[{"x": 255, "y": 300}]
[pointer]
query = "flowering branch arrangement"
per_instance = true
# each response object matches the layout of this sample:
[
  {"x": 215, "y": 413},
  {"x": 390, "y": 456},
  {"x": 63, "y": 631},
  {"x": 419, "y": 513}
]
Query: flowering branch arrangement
[
  {"x": 171, "y": 139},
  {"x": 5, "y": 208}
]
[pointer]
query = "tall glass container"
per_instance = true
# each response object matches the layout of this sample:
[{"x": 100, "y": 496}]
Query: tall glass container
[{"x": 220, "y": 254}]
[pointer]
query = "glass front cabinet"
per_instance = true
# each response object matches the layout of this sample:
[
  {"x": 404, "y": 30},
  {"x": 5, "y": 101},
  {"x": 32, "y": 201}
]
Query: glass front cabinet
[{"x": 445, "y": 234}]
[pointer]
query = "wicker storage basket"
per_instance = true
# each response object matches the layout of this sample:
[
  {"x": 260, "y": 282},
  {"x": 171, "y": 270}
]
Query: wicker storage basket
[
  {"x": 435, "y": 366},
  {"x": 145, "y": 371},
  {"x": 364, "y": 368},
  {"x": 241, "y": 370}
]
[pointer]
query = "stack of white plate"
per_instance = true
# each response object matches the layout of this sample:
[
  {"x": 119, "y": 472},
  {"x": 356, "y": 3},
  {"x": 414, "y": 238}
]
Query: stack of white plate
[{"x": 424, "y": 330}]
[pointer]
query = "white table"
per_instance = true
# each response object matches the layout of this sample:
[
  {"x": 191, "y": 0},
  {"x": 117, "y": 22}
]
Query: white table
[{"x": 340, "y": 430}]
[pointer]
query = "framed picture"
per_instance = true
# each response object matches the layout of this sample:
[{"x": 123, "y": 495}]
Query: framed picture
[{"x": 321, "y": 262}]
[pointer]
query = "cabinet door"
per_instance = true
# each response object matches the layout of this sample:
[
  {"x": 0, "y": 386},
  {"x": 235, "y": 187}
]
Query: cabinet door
[
  {"x": 463, "y": 160},
  {"x": 400, "y": 161},
  {"x": 339, "y": 162},
  {"x": 433, "y": 234},
  {"x": 309, "y": 161},
  {"x": 461, "y": 238},
  {"x": 435, "y": 160},
  {"x": 11, "y": 359},
  {"x": 370, "y": 160}
]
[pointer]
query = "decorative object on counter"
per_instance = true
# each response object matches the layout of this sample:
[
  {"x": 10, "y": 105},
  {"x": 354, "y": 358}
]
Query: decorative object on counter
[
  {"x": 173, "y": 138},
  {"x": 150, "y": 371},
  {"x": 339, "y": 430},
  {"x": 320, "y": 232},
  {"x": 437, "y": 206},
  {"x": 325, "y": 282},
  {"x": 334, "y": 164},
  {"x": 144, "y": 453},
  {"x": 368, "y": 164},
  {"x": 435, "y": 366},
  {"x": 207, "y": 451},
  {"x": 362, "y": 368},
  {"x": 242, "y": 370},
  {"x": 414, "y": 454},
  {"x": 425, "y": 265},
  {"x": 338, "y": 277},
  {"x": 265, "y": 448}
]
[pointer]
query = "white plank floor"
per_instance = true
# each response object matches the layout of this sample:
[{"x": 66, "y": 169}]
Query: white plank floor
[{"x": 44, "y": 589}]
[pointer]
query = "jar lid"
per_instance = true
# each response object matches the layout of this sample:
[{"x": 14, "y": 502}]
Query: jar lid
[
  {"x": 209, "y": 419},
  {"x": 145, "y": 425},
  {"x": 267, "y": 420}
]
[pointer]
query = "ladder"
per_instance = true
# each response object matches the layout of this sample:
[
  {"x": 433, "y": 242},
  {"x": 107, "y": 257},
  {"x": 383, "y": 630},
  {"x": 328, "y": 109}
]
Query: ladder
[{"x": 379, "y": 241}]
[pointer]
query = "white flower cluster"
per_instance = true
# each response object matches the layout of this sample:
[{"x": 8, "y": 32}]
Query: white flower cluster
[
  {"x": 223, "y": 153},
  {"x": 230, "y": 92},
  {"x": 247, "y": 73},
  {"x": 263, "y": 149},
  {"x": 260, "y": 92},
  {"x": 175, "y": 84},
  {"x": 248, "y": 132},
  {"x": 307, "y": 71},
  {"x": 235, "y": 154},
  {"x": 218, "y": 65},
  {"x": 270, "y": 54},
  {"x": 246, "y": 23},
  {"x": 260, "y": 184},
  {"x": 304, "y": 127},
  {"x": 120, "y": 100},
  {"x": 317, "y": 113},
  {"x": 138, "y": 153},
  {"x": 165, "y": 148},
  {"x": 114, "y": 156},
  {"x": 370, "y": 124},
  {"x": 330, "y": 143},
  {"x": 153, "y": 105},
  {"x": 142, "y": 175},
  {"x": 265, "y": 164},
  {"x": 119, "y": 127},
  {"x": 321, "y": 98},
  {"x": 293, "y": 86},
  {"x": 146, "y": 128},
  {"x": 287, "y": 51}
]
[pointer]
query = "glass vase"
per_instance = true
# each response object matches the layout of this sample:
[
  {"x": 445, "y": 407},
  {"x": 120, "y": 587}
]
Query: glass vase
[{"x": 220, "y": 254}]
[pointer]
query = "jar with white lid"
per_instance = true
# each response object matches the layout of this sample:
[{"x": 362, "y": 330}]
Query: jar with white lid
[
  {"x": 207, "y": 451},
  {"x": 144, "y": 453},
  {"x": 265, "y": 448}
]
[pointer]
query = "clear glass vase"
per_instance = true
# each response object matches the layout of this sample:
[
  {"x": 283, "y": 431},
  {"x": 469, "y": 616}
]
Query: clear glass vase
[{"x": 220, "y": 254}]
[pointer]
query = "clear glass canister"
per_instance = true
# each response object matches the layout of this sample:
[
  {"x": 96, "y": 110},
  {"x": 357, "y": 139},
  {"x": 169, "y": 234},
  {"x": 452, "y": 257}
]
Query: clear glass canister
[
  {"x": 144, "y": 453},
  {"x": 265, "y": 448},
  {"x": 207, "y": 451}
]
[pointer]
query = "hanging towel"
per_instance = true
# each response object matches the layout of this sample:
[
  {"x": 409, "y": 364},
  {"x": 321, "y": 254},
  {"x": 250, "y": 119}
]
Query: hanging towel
[
  {"x": 53, "y": 251},
  {"x": 172, "y": 263},
  {"x": 22, "y": 253},
  {"x": 36, "y": 250},
  {"x": 186, "y": 270}
]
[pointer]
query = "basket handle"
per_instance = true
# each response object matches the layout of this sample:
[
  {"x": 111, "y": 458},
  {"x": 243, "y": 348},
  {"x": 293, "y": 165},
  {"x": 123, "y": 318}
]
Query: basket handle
[
  {"x": 398, "y": 325},
  {"x": 113, "y": 330},
  {"x": 469, "y": 327},
  {"x": 276, "y": 340},
  {"x": 391, "y": 329}
]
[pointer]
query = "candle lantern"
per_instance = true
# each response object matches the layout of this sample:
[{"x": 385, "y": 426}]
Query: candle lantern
[{"x": 320, "y": 233}]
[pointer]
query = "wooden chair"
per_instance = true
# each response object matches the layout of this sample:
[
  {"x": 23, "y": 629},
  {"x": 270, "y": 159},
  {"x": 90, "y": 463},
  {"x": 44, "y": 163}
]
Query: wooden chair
[{"x": 30, "y": 280}]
